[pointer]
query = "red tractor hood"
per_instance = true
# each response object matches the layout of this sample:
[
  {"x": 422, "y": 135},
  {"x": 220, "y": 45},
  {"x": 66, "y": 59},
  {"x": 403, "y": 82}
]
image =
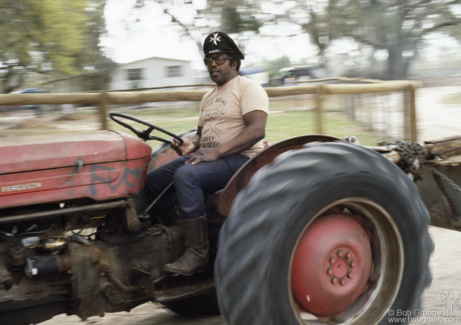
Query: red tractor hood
[
  {"x": 102, "y": 165},
  {"x": 31, "y": 153}
]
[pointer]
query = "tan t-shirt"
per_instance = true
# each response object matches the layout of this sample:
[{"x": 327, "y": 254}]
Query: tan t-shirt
[{"x": 222, "y": 110}]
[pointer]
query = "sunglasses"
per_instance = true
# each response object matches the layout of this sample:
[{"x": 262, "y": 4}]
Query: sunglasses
[{"x": 219, "y": 60}]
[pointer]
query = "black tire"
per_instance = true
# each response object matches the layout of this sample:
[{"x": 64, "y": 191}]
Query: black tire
[
  {"x": 201, "y": 305},
  {"x": 256, "y": 243}
]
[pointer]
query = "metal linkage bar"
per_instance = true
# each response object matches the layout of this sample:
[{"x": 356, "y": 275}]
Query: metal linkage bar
[{"x": 61, "y": 212}]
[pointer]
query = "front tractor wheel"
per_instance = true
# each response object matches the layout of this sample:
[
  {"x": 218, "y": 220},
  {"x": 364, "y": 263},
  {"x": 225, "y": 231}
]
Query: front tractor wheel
[{"x": 332, "y": 233}]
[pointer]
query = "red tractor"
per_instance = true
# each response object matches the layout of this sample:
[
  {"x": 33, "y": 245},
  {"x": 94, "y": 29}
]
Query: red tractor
[{"x": 313, "y": 227}]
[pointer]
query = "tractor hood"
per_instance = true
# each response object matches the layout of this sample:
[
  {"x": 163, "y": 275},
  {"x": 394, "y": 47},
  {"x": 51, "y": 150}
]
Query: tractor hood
[{"x": 32, "y": 153}]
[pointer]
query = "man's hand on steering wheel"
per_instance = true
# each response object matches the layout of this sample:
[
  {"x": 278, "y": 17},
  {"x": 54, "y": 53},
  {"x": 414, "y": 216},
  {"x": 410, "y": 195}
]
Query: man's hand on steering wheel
[{"x": 183, "y": 149}]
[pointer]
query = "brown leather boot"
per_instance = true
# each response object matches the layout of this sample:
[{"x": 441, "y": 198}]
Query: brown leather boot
[
  {"x": 170, "y": 218},
  {"x": 195, "y": 259}
]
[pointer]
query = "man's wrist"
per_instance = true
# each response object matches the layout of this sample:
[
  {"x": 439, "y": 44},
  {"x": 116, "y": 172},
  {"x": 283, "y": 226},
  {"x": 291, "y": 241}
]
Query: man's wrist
[{"x": 220, "y": 151}]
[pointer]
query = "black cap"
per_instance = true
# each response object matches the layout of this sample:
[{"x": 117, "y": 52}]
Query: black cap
[{"x": 219, "y": 42}]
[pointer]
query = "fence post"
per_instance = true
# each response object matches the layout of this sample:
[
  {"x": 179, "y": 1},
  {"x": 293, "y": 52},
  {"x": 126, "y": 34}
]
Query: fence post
[
  {"x": 370, "y": 108},
  {"x": 319, "y": 98},
  {"x": 351, "y": 103},
  {"x": 413, "y": 128},
  {"x": 410, "y": 128},
  {"x": 406, "y": 114},
  {"x": 103, "y": 103}
]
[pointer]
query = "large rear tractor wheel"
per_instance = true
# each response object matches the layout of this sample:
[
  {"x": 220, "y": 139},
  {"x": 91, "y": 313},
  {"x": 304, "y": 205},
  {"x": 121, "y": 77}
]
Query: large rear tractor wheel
[{"x": 332, "y": 233}]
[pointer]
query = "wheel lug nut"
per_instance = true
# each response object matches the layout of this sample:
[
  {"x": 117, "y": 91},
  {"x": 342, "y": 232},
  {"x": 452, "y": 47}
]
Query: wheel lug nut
[
  {"x": 340, "y": 253},
  {"x": 330, "y": 271},
  {"x": 343, "y": 282},
  {"x": 349, "y": 255},
  {"x": 353, "y": 264},
  {"x": 350, "y": 275},
  {"x": 334, "y": 281},
  {"x": 332, "y": 260}
]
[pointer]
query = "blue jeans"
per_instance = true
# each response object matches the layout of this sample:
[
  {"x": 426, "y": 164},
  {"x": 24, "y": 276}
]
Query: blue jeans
[{"x": 191, "y": 183}]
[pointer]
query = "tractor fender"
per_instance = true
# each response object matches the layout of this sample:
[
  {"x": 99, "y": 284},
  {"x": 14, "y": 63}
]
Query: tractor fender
[{"x": 266, "y": 156}]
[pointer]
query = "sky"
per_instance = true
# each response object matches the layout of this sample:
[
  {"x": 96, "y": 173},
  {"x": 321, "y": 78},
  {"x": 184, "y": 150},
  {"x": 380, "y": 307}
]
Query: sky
[
  {"x": 139, "y": 34},
  {"x": 135, "y": 34}
]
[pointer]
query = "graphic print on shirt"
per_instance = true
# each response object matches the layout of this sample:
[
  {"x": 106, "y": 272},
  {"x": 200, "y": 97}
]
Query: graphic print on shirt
[{"x": 213, "y": 115}]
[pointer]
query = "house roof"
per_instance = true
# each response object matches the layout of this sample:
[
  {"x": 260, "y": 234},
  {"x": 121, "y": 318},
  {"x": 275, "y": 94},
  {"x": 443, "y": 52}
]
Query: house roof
[{"x": 155, "y": 57}]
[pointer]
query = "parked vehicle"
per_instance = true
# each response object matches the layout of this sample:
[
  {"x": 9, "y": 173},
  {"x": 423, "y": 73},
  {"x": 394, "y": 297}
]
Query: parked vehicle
[
  {"x": 36, "y": 108},
  {"x": 312, "y": 226},
  {"x": 257, "y": 74},
  {"x": 300, "y": 73}
]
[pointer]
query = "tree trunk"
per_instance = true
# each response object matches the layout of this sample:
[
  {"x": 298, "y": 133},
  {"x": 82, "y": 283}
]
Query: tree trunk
[
  {"x": 229, "y": 18},
  {"x": 397, "y": 65},
  {"x": 12, "y": 80}
]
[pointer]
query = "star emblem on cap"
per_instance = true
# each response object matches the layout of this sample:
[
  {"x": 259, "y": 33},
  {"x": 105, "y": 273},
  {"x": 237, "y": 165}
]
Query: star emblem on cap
[{"x": 215, "y": 39}]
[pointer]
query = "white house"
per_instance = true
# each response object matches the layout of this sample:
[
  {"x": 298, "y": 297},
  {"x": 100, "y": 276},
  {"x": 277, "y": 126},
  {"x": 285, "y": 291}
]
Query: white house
[{"x": 152, "y": 72}]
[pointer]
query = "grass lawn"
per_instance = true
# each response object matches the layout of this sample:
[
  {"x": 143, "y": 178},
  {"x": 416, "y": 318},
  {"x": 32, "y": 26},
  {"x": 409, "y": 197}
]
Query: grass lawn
[{"x": 288, "y": 118}]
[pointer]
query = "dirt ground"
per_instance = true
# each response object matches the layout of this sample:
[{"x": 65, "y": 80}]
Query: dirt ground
[
  {"x": 435, "y": 120},
  {"x": 445, "y": 266},
  {"x": 436, "y": 117},
  {"x": 147, "y": 314}
]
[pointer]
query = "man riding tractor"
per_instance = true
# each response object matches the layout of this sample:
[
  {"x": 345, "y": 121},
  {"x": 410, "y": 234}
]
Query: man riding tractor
[{"x": 230, "y": 130}]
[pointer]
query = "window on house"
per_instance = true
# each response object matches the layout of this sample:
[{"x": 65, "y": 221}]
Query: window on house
[
  {"x": 134, "y": 74},
  {"x": 173, "y": 71}
]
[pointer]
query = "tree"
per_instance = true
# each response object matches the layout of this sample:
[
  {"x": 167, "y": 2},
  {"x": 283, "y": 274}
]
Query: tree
[
  {"x": 273, "y": 67},
  {"x": 229, "y": 16},
  {"x": 395, "y": 26},
  {"x": 55, "y": 37}
]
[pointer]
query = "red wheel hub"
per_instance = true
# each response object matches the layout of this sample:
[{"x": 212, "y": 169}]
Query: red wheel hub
[{"x": 331, "y": 265}]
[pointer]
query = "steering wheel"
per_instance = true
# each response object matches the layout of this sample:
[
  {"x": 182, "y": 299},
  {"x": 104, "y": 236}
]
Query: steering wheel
[{"x": 145, "y": 135}]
